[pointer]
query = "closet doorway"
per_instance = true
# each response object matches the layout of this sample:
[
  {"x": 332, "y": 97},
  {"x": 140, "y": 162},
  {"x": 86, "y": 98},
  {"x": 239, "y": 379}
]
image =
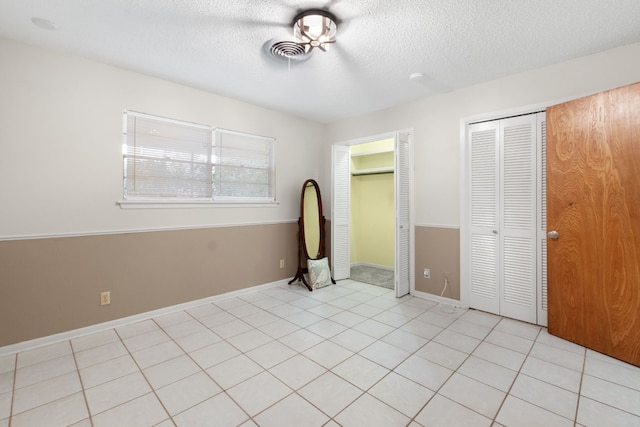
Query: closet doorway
[{"x": 372, "y": 215}]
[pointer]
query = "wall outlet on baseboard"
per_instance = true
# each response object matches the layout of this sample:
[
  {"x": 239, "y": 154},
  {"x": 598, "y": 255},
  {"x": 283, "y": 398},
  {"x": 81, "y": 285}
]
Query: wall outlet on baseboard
[
  {"x": 105, "y": 298},
  {"x": 427, "y": 273},
  {"x": 282, "y": 263}
]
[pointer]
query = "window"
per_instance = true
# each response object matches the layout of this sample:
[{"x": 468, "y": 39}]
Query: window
[
  {"x": 243, "y": 167},
  {"x": 168, "y": 160}
]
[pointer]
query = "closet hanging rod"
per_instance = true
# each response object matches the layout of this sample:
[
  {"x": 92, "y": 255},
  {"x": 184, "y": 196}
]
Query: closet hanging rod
[{"x": 375, "y": 171}]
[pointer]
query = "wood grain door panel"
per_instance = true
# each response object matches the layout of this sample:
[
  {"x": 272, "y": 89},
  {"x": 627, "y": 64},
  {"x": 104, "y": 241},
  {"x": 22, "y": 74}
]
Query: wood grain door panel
[{"x": 593, "y": 201}]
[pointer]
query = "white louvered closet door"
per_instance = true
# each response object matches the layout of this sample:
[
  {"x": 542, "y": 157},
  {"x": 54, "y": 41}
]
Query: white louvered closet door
[
  {"x": 506, "y": 252},
  {"x": 518, "y": 218},
  {"x": 542, "y": 219},
  {"x": 340, "y": 252},
  {"x": 403, "y": 225},
  {"x": 483, "y": 203}
]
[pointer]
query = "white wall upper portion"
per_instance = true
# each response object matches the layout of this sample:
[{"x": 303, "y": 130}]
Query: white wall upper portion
[
  {"x": 61, "y": 124},
  {"x": 61, "y": 146},
  {"x": 437, "y": 120}
]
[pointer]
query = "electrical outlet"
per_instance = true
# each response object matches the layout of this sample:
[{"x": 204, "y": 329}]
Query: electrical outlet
[
  {"x": 427, "y": 273},
  {"x": 282, "y": 263},
  {"x": 105, "y": 298}
]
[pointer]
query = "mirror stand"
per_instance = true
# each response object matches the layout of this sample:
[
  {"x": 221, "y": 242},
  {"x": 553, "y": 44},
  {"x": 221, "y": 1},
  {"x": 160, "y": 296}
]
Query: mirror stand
[
  {"x": 301, "y": 270},
  {"x": 311, "y": 225}
]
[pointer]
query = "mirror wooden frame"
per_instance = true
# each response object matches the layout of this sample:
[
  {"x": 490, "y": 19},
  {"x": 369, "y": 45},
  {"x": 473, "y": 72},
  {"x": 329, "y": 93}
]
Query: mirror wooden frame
[{"x": 303, "y": 253}]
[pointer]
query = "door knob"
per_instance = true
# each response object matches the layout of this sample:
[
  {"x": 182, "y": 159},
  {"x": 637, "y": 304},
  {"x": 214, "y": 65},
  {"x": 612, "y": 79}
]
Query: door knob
[
  {"x": 553, "y": 234},
  {"x": 495, "y": 231}
]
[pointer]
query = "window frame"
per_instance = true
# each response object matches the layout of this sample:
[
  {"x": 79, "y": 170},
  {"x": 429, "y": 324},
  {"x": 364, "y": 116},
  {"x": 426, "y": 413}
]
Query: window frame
[
  {"x": 176, "y": 201},
  {"x": 217, "y": 145}
]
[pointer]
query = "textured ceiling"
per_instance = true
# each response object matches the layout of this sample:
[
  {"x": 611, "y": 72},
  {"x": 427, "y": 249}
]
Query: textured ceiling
[{"x": 218, "y": 45}]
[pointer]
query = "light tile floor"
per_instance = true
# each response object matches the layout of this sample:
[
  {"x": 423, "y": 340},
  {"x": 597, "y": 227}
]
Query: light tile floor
[{"x": 346, "y": 355}]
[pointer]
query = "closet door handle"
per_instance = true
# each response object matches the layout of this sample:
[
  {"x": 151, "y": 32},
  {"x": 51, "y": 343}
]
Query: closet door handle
[
  {"x": 495, "y": 231},
  {"x": 553, "y": 234}
]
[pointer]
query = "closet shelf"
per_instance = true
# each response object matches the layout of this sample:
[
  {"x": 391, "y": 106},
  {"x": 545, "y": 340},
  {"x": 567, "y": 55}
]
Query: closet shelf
[{"x": 372, "y": 171}]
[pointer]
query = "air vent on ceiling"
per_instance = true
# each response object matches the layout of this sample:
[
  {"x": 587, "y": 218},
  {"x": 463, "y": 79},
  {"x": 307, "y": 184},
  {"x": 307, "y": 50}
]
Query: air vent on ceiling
[{"x": 286, "y": 50}]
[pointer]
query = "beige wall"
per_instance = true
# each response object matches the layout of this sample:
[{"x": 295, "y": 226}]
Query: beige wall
[
  {"x": 53, "y": 285},
  {"x": 438, "y": 249}
]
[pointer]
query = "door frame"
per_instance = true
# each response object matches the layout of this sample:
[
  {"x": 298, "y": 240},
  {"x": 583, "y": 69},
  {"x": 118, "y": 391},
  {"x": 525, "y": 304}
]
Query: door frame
[
  {"x": 465, "y": 191},
  {"x": 410, "y": 164}
]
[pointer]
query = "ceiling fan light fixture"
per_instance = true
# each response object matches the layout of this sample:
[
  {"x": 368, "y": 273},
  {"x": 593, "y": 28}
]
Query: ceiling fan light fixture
[
  {"x": 43, "y": 23},
  {"x": 315, "y": 28}
]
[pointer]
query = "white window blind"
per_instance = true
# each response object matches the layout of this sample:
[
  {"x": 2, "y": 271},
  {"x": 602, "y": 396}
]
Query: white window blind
[
  {"x": 168, "y": 160},
  {"x": 243, "y": 167}
]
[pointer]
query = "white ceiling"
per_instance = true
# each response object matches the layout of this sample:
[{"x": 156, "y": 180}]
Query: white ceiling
[{"x": 217, "y": 45}]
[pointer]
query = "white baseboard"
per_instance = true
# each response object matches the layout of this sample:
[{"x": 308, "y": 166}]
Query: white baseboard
[
  {"x": 437, "y": 298},
  {"x": 75, "y": 333}
]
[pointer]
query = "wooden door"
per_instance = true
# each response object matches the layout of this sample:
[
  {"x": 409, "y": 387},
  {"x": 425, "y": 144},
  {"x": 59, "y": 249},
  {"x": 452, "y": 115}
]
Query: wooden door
[{"x": 593, "y": 202}]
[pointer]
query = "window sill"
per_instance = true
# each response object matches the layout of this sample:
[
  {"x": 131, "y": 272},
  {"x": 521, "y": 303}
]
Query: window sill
[{"x": 182, "y": 204}]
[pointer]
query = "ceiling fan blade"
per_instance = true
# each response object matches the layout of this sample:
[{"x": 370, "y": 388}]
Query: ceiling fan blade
[
  {"x": 330, "y": 4},
  {"x": 345, "y": 57},
  {"x": 431, "y": 84},
  {"x": 233, "y": 18},
  {"x": 256, "y": 23}
]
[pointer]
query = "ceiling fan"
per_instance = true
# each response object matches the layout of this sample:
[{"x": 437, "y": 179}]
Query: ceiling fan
[{"x": 312, "y": 28}]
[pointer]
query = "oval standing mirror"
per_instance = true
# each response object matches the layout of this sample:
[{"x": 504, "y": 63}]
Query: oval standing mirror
[
  {"x": 311, "y": 238},
  {"x": 310, "y": 214}
]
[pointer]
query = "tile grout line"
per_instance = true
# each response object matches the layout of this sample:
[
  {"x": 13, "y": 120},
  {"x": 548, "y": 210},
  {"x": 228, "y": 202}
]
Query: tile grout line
[
  {"x": 538, "y": 406},
  {"x": 413, "y": 419},
  {"x": 264, "y": 370},
  {"x": 204, "y": 370},
  {"x": 143, "y": 376},
  {"x": 84, "y": 394},
  {"x": 363, "y": 392},
  {"x": 13, "y": 388},
  {"x": 508, "y": 392},
  {"x": 393, "y": 369},
  {"x": 329, "y": 370},
  {"x": 584, "y": 365},
  {"x": 411, "y": 318},
  {"x": 456, "y": 370},
  {"x": 298, "y": 353}
]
